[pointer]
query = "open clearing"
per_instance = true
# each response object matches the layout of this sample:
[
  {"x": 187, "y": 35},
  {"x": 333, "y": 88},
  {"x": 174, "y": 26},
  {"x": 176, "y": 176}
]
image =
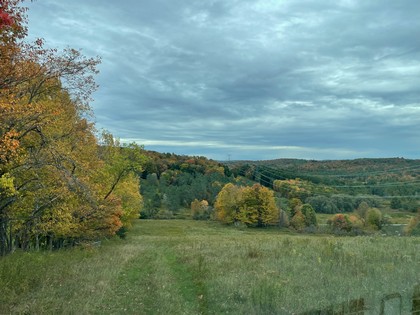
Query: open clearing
[{"x": 190, "y": 267}]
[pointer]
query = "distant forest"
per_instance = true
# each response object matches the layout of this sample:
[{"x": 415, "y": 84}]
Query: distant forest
[
  {"x": 340, "y": 185},
  {"x": 170, "y": 183}
]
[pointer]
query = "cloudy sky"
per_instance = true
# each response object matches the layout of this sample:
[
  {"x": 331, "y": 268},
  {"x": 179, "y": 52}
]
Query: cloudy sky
[{"x": 249, "y": 79}]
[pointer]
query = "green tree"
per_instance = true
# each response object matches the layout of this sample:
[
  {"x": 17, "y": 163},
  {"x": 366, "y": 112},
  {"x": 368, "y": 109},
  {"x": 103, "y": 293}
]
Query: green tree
[
  {"x": 373, "y": 218},
  {"x": 309, "y": 214},
  {"x": 322, "y": 204},
  {"x": 396, "y": 203},
  {"x": 362, "y": 210},
  {"x": 294, "y": 205}
]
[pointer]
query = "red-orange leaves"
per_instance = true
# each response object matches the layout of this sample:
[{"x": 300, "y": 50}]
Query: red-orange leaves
[{"x": 5, "y": 19}]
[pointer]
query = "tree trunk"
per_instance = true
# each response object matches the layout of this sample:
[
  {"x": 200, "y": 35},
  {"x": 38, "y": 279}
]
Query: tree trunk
[
  {"x": 37, "y": 242},
  {"x": 50, "y": 242},
  {"x": 5, "y": 237}
]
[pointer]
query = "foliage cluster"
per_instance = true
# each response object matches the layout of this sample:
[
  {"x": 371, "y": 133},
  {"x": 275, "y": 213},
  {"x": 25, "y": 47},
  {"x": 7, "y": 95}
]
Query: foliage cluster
[{"x": 58, "y": 184}]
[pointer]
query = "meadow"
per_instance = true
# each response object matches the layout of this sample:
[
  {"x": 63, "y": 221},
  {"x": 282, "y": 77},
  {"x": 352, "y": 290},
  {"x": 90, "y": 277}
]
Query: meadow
[{"x": 193, "y": 267}]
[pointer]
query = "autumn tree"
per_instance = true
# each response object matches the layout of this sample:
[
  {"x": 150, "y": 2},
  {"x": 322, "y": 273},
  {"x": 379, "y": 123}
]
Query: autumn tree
[
  {"x": 57, "y": 184},
  {"x": 298, "y": 221},
  {"x": 121, "y": 160},
  {"x": 200, "y": 209},
  {"x": 251, "y": 205},
  {"x": 340, "y": 222},
  {"x": 257, "y": 206},
  {"x": 227, "y": 203}
]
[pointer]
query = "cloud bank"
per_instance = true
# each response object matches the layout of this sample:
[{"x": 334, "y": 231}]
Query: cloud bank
[{"x": 250, "y": 79}]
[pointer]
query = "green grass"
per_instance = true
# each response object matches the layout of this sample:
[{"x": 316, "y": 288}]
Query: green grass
[{"x": 188, "y": 267}]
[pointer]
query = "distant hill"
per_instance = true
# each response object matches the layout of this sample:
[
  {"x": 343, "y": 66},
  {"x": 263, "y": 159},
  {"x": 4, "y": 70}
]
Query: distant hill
[
  {"x": 335, "y": 171},
  {"x": 393, "y": 179},
  {"x": 171, "y": 182}
]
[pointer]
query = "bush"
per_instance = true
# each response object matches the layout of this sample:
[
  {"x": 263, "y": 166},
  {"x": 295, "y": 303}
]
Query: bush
[
  {"x": 309, "y": 214},
  {"x": 362, "y": 209},
  {"x": 413, "y": 226},
  {"x": 122, "y": 232},
  {"x": 200, "y": 210},
  {"x": 356, "y": 222},
  {"x": 164, "y": 214},
  {"x": 340, "y": 222},
  {"x": 298, "y": 221},
  {"x": 373, "y": 218}
]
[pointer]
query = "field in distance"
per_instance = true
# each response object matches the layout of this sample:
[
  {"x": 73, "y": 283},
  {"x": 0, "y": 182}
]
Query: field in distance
[{"x": 196, "y": 267}]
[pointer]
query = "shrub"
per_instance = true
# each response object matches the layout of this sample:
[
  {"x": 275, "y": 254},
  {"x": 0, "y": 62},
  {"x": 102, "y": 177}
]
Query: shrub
[
  {"x": 362, "y": 209},
  {"x": 298, "y": 221},
  {"x": 200, "y": 210},
  {"x": 164, "y": 214},
  {"x": 309, "y": 214},
  {"x": 122, "y": 232},
  {"x": 413, "y": 226},
  {"x": 373, "y": 218},
  {"x": 340, "y": 222},
  {"x": 294, "y": 205}
]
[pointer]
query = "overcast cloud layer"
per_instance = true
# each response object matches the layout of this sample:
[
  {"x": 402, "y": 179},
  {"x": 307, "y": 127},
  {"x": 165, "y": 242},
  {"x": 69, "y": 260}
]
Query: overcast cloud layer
[{"x": 250, "y": 79}]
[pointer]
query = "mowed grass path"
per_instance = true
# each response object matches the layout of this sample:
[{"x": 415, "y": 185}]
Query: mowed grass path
[{"x": 189, "y": 267}]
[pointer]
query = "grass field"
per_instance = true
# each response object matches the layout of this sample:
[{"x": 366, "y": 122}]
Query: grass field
[{"x": 189, "y": 267}]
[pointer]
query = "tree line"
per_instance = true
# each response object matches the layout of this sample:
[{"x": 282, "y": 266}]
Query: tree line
[
  {"x": 340, "y": 186},
  {"x": 60, "y": 182}
]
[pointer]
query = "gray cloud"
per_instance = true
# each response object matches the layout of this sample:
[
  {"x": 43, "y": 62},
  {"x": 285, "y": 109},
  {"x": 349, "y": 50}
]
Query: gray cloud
[{"x": 253, "y": 79}]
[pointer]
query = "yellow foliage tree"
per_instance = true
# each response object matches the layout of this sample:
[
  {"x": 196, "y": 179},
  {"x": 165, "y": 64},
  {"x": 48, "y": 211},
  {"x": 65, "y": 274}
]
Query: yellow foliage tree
[
  {"x": 257, "y": 206},
  {"x": 253, "y": 206},
  {"x": 227, "y": 203}
]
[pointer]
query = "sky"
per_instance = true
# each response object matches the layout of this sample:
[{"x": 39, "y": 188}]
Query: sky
[{"x": 249, "y": 79}]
